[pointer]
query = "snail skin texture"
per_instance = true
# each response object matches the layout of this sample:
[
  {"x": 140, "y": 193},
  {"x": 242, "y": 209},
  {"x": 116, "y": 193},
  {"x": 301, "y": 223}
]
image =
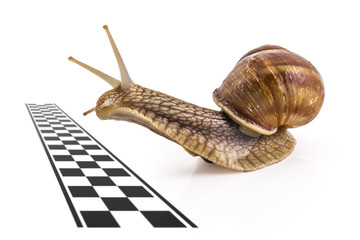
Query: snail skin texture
[{"x": 269, "y": 90}]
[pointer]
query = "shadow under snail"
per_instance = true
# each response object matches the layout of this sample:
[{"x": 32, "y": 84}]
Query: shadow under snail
[{"x": 269, "y": 90}]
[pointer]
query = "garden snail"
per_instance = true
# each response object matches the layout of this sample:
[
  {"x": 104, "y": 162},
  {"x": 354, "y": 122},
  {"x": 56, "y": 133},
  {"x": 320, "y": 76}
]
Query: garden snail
[{"x": 269, "y": 90}]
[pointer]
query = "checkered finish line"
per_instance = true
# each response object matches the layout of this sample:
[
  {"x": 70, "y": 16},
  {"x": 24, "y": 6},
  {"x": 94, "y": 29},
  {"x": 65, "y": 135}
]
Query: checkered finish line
[{"x": 101, "y": 191}]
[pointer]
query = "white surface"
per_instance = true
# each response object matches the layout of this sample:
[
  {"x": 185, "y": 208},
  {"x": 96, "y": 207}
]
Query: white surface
[{"x": 184, "y": 50}]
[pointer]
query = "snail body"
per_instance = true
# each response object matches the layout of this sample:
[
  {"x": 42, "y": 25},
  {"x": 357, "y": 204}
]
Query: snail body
[{"x": 232, "y": 140}]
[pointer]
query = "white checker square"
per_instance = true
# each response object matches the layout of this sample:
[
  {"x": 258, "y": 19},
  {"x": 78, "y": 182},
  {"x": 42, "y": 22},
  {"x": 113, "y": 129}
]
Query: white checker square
[
  {"x": 109, "y": 191},
  {"x": 149, "y": 204},
  {"x": 54, "y": 122},
  {"x": 89, "y": 204},
  {"x": 131, "y": 219},
  {"x": 67, "y": 138},
  {"x": 49, "y": 134},
  {"x": 61, "y": 131},
  {"x": 126, "y": 181},
  {"x": 59, "y": 152},
  {"x": 70, "y": 127},
  {"x": 82, "y": 158},
  {"x": 94, "y": 172},
  {"x": 74, "y": 147},
  {"x": 76, "y": 181},
  {"x": 53, "y": 142},
  {"x": 92, "y": 151},
  {"x": 66, "y": 164},
  {"x": 80, "y": 134},
  {"x": 110, "y": 164},
  {"x": 83, "y": 142},
  {"x": 45, "y": 128}
]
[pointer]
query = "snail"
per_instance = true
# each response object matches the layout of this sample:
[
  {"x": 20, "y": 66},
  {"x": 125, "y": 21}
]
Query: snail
[{"x": 269, "y": 90}]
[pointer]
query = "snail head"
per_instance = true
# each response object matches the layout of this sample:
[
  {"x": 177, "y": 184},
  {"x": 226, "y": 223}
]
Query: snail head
[{"x": 106, "y": 102}]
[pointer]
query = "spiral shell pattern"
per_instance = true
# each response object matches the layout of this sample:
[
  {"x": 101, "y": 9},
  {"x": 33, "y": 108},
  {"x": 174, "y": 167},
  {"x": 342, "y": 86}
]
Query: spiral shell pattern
[{"x": 271, "y": 87}]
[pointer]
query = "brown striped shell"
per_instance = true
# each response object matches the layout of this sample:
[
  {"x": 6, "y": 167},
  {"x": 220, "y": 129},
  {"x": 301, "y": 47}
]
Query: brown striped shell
[{"x": 271, "y": 87}]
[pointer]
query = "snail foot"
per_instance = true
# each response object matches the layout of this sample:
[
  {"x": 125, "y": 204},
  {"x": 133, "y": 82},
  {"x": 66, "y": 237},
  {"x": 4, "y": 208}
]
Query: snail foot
[{"x": 207, "y": 160}]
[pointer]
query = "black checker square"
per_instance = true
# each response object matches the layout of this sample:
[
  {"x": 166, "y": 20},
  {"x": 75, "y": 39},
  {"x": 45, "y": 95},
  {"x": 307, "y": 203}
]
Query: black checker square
[
  {"x": 54, "y": 123},
  {"x": 83, "y": 191},
  {"x": 116, "y": 172},
  {"x": 54, "y": 147},
  {"x": 75, "y": 131},
  {"x": 135, "y": 191},
  {"x": 71, "y": 172},
  {"x": 82, "y": 138},
  {"x": 64, "y": 134},
  {"x": 99, "y": 219},
  {"x": 102, "y": 158},
  {"x": 60, "y": 158},
  {"x": 78, "y": 152},
  {"x": 88, "y": 164},
  {"x": 119, "y": 204},
  {"x": 91, "y": 147},
  {"x": 162, "y": 219},
  {"x": 69, "y": 142},
  {"x": 47, "y": 131},
  {"x": 59, "y": 128},
  {"x": 44, "y": 125},
  {"x": 52, "y": 138},
  {"x": 101, "y": 181},
  {"x": 69, "y": 125}
]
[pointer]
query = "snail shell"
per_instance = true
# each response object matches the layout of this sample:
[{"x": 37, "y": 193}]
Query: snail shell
[{"x": 271, "y": 87}]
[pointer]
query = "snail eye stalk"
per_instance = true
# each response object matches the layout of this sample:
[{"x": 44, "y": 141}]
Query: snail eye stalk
[
  {"x": 110, "y": 80},
  {"x": 125, "y": 77},
  {"x": 89, "y": 111}
]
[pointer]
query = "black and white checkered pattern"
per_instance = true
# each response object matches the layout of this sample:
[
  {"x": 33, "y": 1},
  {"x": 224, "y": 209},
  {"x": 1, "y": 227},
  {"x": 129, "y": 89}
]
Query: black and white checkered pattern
[{"x": 101, "y": 191}]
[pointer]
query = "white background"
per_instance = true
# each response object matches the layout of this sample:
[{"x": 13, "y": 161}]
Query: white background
[{"x": 184, "y": 49}]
